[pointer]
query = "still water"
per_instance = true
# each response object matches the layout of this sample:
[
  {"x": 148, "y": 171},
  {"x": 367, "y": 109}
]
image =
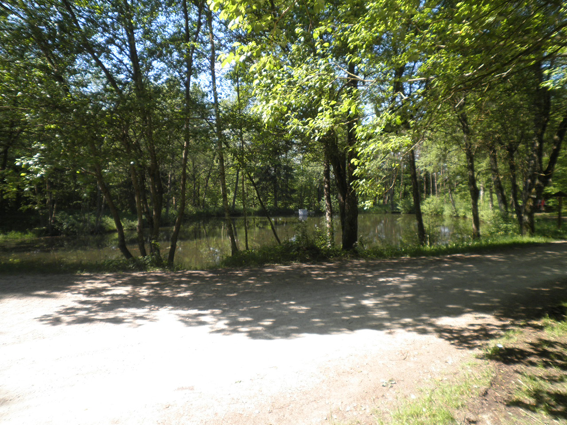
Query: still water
[{"x": 205, "y": 242}]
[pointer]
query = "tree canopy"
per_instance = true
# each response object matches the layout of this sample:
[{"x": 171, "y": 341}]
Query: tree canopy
[{"x": 161, "y": 109}]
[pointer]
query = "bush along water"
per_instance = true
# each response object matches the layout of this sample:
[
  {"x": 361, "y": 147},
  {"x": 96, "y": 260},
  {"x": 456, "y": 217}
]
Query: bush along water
[{"x": 305, "y": 247}]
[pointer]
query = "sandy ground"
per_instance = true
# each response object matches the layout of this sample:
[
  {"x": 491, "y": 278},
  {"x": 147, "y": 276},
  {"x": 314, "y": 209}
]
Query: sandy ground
[{"x": 301, "y": 344}]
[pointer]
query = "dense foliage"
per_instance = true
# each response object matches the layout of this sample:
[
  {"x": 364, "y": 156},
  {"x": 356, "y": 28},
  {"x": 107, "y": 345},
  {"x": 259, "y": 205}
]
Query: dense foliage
[{"x": 113, "y": 108}]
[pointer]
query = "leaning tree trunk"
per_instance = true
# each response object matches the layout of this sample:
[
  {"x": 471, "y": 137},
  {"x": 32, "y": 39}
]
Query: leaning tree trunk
[
  {"x": 266, "y": 213},
  {"x": 113, "y": 211}
]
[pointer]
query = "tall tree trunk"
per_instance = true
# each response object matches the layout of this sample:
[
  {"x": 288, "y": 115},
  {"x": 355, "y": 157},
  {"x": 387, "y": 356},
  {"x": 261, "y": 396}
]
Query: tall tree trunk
[
  {"x": 337, "y": 159},
  {"x": 496, "y": 181},
  {"x": 241, "y": 135},
  {"x": 402, "y": 191},
  {"x": 275, "y": 187},
  {"x": 416, "y": 198},
  {"x": 534, "y": 184},
  {"x": 50, "y": 207},
  {"x": 207, "y": 179},
  {"x": 139, "y": 210},
  {"x": 220, "y": 137},
  {"x": 392, "y": 191},
  {"x": 510, "y": 157},
  {"x": 350, "y": 225},
  {"x": 398, "y": 87},
  {"x": 129, "y": 146},
  {"x": 187, "y": 131},
  {"x": 245, "y": 210},
  {"x": 471, "y": 175},
  {"x": 99, "y": 210},
  {"x": 235, "y": 193},
  {"x": 328, "y": 202},
  {"x": 538, "y": 181},
  {"x": 452, "y": 199},
  {"x": 156, "y": 186}
]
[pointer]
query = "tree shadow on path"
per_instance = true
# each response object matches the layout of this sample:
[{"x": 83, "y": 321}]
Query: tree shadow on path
[{"x": 423, "y": 295}]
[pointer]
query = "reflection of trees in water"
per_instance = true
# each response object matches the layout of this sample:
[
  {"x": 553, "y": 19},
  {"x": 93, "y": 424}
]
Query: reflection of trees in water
[
  {"x": 204, "y": 242},
  {"x": 398, "y": 230}
]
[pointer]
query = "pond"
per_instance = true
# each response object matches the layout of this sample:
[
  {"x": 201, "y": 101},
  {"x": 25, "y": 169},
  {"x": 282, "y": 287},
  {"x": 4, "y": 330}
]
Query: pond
[{"x": 205, "y": 242}]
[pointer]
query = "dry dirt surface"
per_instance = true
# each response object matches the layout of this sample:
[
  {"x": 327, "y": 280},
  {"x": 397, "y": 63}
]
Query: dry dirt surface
[{"x": 299, "y": 344}]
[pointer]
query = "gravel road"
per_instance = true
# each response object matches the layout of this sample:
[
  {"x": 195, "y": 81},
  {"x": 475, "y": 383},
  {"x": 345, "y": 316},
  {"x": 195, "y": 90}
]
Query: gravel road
[{"x": 299, "y": 344}]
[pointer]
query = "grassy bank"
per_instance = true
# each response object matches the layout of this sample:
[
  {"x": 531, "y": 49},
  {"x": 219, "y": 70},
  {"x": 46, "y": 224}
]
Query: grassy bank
[
  {"x": 299, "y": 251},
  {"x": 530, "y": 364},
  {"x": 442, "y": 403},
  {"x": 310, "y": 251},
  {"x": 308, "y": 246}
]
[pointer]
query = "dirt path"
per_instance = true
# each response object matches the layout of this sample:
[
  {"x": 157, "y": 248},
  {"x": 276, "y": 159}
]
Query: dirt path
[{"x": 277, "y": 345}]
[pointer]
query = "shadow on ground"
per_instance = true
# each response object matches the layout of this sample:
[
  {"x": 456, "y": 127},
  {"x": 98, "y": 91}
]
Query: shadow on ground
[
  {"x": 532, "y": 370},
  {"x": 425, "y": 295}
]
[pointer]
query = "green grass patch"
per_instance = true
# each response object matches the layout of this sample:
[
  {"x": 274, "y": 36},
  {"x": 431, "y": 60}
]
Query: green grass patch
[
  {"x": 534, "y": 359},
  {"x": 304, "y": 250},
  {"x": 439, "y": 403},
  {"x": 472, "y": 246},
  {"x": 554, "y": 327},
  {"x": 312, "y": 250},
  {"x": 16, "y": 236},
  {"x": 42, "y": 266}
]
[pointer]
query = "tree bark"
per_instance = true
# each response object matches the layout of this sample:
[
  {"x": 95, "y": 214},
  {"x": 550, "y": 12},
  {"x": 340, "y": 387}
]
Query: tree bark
[
  {"x": 471, "y": 175},
  {"x": 510, "y": 155},
  {"x": 220, "y": 138},
  {"x": 186, "y": 132},
  {"x": 416, "y": 198},
  {"x": 496, "y": 181},
  {"x": 245, "y": 210},
  {"x": 537, "y": 179},
  {"x": 156, "y": 186},
  {"x": 139, "y": 210},
  {"x": 113, "y": 211},
  {"x": 241, "y": 135},
  {"x": 328, "y": 202},
  {"x": 350, "y": 225},
  {"x": 235, "y": 193}
]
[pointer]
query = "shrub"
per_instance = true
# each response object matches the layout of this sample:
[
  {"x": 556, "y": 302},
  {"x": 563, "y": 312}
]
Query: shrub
[
  {"x": 433, "y": 205},
  {"x": 496, "y": 224},
  {"x": 405, "y": 206}
]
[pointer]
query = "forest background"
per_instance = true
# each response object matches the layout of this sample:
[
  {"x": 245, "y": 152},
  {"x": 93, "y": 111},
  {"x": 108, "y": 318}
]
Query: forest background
[{"x": 157, "y": 111}]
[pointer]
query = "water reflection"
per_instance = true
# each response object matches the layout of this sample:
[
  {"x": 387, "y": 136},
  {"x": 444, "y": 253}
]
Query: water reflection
[{"x": 205, "y": 242}]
